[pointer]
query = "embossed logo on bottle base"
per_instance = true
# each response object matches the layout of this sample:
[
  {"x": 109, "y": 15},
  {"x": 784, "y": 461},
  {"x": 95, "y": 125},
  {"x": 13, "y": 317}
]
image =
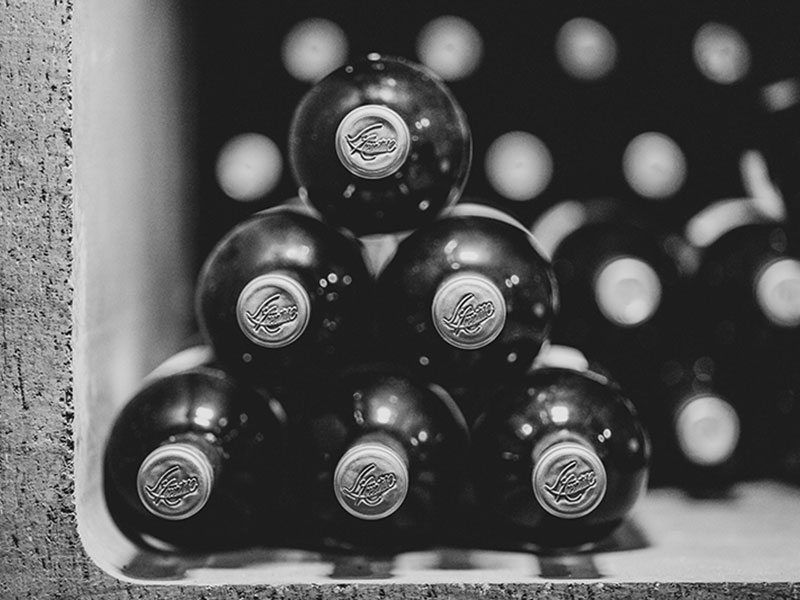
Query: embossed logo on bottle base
[
  {"x": 174, "y": 481},
  {"x": 372, "y": 141},
  {"x": 370, "y": 486},
  {"x": 270, "y": 316},
  {"x": 371, "y": 481},
  {"x": 273, "y": 310},
  {"x": 571, "y": 486},
  {"x": 569, "y": 480},
  {"x": 172, "y": 487},
  {"x": 367, "y": 143},
  {"x": 468, "y": 316},
  {"x": 468, "y": 311}
]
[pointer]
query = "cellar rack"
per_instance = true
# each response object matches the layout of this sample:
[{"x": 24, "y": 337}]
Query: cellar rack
[{"x": 92, "y": 136}]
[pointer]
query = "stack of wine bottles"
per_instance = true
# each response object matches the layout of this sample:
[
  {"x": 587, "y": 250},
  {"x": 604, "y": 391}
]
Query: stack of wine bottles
[{"x": 393, "y": 365}]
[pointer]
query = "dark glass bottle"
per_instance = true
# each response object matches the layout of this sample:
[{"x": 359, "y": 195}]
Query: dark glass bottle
[
  {"x": 784, "y": 440},
  {"x": 560, "y": 458},
  {"x": 195, "y": 462},
  {"x": 617, "y": 281},
  {"x": 749, "y": 281},
  {"x": 380, "y": 145},
  {"x": 283, "y": 293},
  {"x": 748, "y": 292},
  {"x": 773, "y": 128},
  {"x": 748, "y": 284},
  {"x": 380, "y": 460},
  {"x": 468, "y": 297},
  {"x": 697, "y": 431}
]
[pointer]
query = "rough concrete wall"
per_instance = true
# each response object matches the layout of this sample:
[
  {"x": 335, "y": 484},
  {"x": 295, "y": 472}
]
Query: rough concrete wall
[
  {"x": 39, "y": 550},
  {"x": 40, "y": 553}
]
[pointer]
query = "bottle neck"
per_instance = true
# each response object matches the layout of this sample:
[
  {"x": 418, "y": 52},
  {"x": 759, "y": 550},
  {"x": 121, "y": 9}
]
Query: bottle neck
[
  {"x": 569, "y": 479},
  {"x": 273, "y": 310},
  {"x": 175, "y": 481},
  {"x": 627, "y": 291},
  {"x": 707, "y": 430},
  {"x": 372, "y": 477},
  {"x": 468, "y": 311},
  {"x": 777, "y": 290},
  {"x": 372, "y": 141}
]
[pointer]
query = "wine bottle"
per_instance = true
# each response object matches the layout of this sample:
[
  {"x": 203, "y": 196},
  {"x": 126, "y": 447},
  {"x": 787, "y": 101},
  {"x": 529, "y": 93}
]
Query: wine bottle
[
  {"x": 749, "y": 289},
  {"x": 748, "y": 292},
  {"x": 283, "y": 293},
  {"x": 560, "y": 458},
  {"x": 784, "y": 434},
  {"x": 774, "y": 130},
  {"x": 380, "y": 145},
  {"x": 380, "y": 460},
  {"x": 617, "y": 279},
  {"x": 194, "y": 462},
  {"x": 468, "y": 297},
  {"x": 749, "y": 277},
  {"x": 697, "y": 431}
]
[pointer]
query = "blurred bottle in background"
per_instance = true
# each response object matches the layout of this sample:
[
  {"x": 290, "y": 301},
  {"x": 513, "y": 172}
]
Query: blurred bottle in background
[
  {"x": 696, "y": 428},
  {"x": 785, "y": 438},
  {"x": 249, "y": 166},
  {"x": 617, "y": 278},
  {"x": 314, "y": 47},
  {"x": 775, "y": 133},
  {"x": 748, "y": 296},
  {"x": 749, "y": 287},
  {"x": 450, "y": 46}
]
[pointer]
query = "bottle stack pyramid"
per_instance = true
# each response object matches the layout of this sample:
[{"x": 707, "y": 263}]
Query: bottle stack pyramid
[{"x": 393, "y": 364}]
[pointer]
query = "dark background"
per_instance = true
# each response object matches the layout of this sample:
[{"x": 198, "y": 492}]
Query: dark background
[{"x": 519, "y": 85}]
